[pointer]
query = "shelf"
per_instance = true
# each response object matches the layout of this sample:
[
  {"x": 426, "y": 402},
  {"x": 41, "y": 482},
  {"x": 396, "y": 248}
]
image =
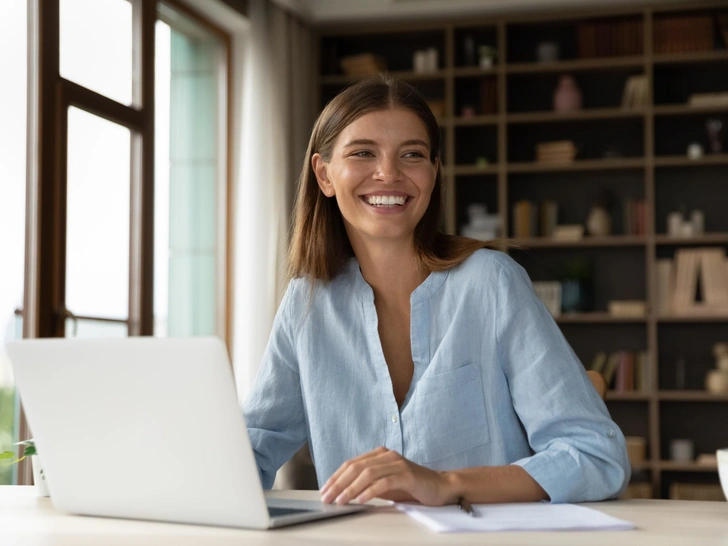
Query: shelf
[
  {"x": 586, "y": 242},
  {"x": 692, "y": 396},
  {"x": 705, "y": 239},
  {"x": 459, "y": 170},
  {"x": 693, "y": 318},
  {"x": 475, "y": 120},
  {"x": 693, "y": 57},
  {"x": 408, "y": 75},
  {"x": 473, "y": 71},
  {"x": 602, "y": 63},
  {"x": 579, "y": 115},
  {"x": 613, "y": 396},
  {"x": 578, "y": 165},
  {"x": 685, "y": 467},
  {"x": 686, "y": 110},
  {"x": 596, "y": 318},
  {"x": 684, "y": 161}
]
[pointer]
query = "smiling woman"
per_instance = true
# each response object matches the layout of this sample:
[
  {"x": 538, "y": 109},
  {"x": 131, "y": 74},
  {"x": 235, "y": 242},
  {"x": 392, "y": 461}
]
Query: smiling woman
[{"x": 418, "y": 366}]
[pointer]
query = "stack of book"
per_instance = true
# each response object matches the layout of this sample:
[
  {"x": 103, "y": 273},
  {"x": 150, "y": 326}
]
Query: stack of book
[
  {"x": 531, "y": 219},
  {"x": 693, "y": 272},
  {"x": 559, "y": 151},
  {"x": 624, "y": 371},
  {"x": 634, "y": 217},
  {"x": 707, "y": 100},
  {"x": 634, "y": 96},
  {"x": 683, "y": 33},
  {"x": 363, "y": 65},
  {"x": 610, "y": 38}
]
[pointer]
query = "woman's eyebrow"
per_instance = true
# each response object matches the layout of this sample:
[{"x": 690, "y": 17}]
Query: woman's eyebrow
[{"x": 360, "y": 142}]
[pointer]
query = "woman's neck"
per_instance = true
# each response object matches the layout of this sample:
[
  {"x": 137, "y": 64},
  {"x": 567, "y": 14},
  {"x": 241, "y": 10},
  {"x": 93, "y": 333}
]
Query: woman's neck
[{"x": 391, "y": 269}]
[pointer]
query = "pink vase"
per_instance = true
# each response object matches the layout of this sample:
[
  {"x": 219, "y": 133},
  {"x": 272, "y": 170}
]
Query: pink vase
[{"x": 567, "y": 96}]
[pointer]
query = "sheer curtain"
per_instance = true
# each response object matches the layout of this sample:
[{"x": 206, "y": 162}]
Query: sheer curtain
[{"x": 277, "y": 104}]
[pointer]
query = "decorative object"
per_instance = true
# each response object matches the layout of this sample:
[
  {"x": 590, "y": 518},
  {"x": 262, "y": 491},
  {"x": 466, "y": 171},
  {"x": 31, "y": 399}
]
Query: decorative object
[
  {"x": 678, "y": 226},
  {"x": 682, "y": 450},
  {"x": 567, "y": 97},
  {"x": 598, "y": 223},
  {"x": 635, "y": 93},
  {"x": 636, "y": 449},
  {"x": 576, "y": 286},
  {"x": 716, "y": 133},
  {"x": 627, "y": 308},
  {"x": 432, "y": 57},
  {"x": 695, "y": 150},
  {"x": 558, "y": 151},
  {"x": 547, "y": 52},
  {"x": 569, "y": 232},
  {"x": 706, "y": 267},
  {"x": 722, "y": 456},
  {"x": 481, "y": 225},
  {"x": 467, "y": 111},
  {"x": 8, "y": 458},
  {"x": 486, "y": 56},
  {"x": 716, "y": 381},
  {"x": 549, "y": 292},
  {"x": 419, "y": 61}
]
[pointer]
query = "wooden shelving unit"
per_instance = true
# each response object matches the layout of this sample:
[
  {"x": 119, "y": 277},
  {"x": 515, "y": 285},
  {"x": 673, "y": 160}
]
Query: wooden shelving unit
[{"x": 650, "y": 163}]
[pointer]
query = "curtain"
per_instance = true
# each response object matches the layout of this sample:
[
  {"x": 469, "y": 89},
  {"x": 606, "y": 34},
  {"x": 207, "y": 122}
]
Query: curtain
[{"x": 276, "y": 97}]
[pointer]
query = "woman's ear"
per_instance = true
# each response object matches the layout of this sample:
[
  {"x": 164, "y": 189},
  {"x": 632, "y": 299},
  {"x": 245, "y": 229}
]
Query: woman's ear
[{"x": 320, "y": 170}]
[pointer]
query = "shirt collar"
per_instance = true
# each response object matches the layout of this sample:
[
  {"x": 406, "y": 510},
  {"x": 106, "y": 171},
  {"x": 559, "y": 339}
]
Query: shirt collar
[{"x": 422, "y": 293}]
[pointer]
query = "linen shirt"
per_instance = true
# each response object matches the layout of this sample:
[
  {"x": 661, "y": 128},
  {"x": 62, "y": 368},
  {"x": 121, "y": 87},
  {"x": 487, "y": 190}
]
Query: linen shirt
[{"x": 494, "y": 383}]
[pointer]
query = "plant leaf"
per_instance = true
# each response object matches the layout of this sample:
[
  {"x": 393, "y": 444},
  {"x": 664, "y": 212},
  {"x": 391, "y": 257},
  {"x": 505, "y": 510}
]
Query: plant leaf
[
  {"x": 30, "y": 450},
  {"x": 7, "y": 455}
]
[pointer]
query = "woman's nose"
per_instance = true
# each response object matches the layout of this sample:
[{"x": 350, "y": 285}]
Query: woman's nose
[{"x": 388, "y": 169}]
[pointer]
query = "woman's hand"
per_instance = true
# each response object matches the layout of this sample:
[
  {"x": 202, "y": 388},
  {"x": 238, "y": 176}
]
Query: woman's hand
[{"x": 386, "y": 474}]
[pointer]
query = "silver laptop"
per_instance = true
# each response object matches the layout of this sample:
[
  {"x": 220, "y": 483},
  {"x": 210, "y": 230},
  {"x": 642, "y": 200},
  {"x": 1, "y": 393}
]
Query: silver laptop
[{"x": 147, "y": 428}]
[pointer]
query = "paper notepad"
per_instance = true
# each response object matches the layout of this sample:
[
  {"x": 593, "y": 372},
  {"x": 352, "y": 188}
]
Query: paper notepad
[{"x": 534, "y": 516}]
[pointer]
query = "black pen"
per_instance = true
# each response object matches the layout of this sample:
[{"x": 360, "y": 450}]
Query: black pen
[{"x": 465, "y": 507}]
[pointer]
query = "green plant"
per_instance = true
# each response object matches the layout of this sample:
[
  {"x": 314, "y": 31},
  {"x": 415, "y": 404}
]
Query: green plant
[{"x": 29, "y": 451}]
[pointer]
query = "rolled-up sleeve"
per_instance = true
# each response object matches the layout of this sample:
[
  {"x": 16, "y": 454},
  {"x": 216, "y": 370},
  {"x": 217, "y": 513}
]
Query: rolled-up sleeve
[
  {"x": 274, "y": 411},
  {"x": 579, "y": 452}
]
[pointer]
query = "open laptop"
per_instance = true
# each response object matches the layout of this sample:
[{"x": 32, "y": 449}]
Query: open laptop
[{"x": 147, "y": 428}]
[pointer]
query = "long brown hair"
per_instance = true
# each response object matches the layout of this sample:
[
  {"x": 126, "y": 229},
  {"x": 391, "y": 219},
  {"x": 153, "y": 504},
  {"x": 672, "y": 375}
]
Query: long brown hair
[{"x": 319, "y": 245}]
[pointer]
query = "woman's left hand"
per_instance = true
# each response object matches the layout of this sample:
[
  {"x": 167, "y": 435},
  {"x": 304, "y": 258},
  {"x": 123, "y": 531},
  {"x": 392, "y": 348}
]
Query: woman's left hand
[{"x": 386, "y": 474}]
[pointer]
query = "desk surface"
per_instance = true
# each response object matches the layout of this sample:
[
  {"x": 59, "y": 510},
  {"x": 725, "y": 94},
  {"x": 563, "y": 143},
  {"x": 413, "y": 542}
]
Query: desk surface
[{"x": 26, "y": 520}]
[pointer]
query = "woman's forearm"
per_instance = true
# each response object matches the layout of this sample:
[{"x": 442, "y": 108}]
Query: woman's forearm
[{"x": 493, "y": 484}]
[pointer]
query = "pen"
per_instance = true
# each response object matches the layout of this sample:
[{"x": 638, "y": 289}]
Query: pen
[{"x": 465, "y": 507}]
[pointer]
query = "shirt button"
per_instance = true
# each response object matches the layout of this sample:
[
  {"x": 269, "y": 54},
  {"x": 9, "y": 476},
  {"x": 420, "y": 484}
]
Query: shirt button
[
  {"x": 394, "y": 418},
  {"x": 611, "y": 433}
]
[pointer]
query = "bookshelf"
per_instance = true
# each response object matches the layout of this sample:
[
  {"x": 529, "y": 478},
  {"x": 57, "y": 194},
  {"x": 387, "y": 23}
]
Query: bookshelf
[{"x": 494, "y": 117}]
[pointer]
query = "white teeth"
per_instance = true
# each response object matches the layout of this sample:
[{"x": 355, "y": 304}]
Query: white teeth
[{"x": 386, "y": 200}]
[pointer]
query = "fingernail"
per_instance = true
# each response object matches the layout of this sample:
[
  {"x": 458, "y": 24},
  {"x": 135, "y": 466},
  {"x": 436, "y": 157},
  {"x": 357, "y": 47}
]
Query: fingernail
[
  {"x": 326, "y": 499},
  {"x": 340, "y": 499}
]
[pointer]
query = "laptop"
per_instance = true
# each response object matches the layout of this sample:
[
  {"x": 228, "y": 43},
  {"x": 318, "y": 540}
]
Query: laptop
[{"x": 147, "y": 428}]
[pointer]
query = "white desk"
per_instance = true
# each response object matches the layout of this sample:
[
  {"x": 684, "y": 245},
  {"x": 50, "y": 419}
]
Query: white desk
[{"x": 27, "y": 520}]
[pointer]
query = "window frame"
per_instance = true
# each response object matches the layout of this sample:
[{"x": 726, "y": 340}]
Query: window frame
[{"x": 49, "y": 98}]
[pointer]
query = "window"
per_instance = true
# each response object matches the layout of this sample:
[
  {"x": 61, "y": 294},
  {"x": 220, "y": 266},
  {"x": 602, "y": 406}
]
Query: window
[{"x": 93, "y": 217}]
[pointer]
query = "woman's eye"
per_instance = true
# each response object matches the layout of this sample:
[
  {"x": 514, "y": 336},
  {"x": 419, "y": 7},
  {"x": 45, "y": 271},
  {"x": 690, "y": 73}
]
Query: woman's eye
[
  {"x": 363, "y": 153},
  {"x": 414, "y": 155}
]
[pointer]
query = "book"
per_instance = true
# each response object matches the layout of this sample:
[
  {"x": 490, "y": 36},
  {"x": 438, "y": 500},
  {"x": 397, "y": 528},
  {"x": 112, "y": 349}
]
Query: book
[
  {"x": 664, "y": 279},
  {"x": 599, "y": 362}
]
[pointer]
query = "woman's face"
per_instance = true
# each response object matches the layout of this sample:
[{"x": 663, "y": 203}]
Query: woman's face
[{"x": 381, "y": 175}]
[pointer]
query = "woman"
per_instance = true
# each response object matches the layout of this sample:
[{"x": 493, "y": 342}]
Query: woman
[{"x": 418, "y": 366}]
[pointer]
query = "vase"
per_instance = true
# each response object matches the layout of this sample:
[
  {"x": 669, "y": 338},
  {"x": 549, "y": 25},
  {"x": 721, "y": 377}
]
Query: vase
[
  {"x": 567, "y": 97},
  {"x": 41, "y": 486},
  {"x": 599, "y": 223}
]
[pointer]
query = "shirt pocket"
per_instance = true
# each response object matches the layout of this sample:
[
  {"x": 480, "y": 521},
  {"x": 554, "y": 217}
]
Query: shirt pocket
[{"x": 450, "y": 413}]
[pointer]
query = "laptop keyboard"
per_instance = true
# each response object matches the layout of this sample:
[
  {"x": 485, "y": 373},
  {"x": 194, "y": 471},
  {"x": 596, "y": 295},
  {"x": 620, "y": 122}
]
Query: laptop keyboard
[{"x": 275, "y": 512}]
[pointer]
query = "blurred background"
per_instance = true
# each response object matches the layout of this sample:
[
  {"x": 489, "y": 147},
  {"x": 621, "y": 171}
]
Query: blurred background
[{"x": 149, "y": 152}]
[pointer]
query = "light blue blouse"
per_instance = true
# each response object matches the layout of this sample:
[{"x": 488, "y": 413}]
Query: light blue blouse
[{"x": 494, "y": 383}]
